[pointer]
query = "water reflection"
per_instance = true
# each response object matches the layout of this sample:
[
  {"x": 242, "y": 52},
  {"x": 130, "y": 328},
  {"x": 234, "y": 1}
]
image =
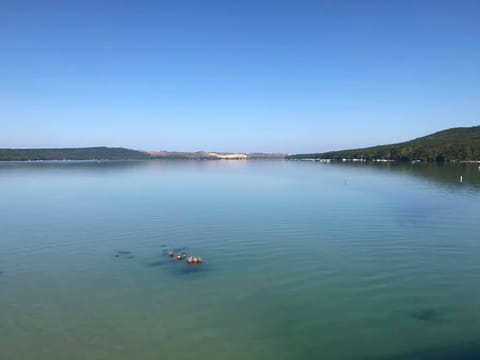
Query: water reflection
[{"x": 441, "y": 174}]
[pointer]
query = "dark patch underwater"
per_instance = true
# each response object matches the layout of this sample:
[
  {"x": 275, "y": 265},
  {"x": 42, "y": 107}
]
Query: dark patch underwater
[
  {"x": 427, "y": 315},
  {"x": 465, "y": 351}
]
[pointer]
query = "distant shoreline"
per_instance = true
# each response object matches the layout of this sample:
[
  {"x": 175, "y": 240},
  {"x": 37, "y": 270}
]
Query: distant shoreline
[
  {"x": 109, "y": 153},
  {"x": 455, "y": 144},
  {"x": 133, "y": 160},
  {"x": 452, "y": 145},
  {"x": 324, "y": 161}
]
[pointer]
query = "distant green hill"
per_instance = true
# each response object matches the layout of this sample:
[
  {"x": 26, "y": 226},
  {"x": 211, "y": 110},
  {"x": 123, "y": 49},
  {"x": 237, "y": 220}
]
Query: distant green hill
[
  {"x": 116, "y": 153},
  {"x": 460, "y": 144},
  {"x": 88, "y": 153}
]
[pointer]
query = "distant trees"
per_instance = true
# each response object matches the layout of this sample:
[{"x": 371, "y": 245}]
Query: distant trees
[
  {"x": 453, "y": 144},
  {"x": 92, "y": 153}
]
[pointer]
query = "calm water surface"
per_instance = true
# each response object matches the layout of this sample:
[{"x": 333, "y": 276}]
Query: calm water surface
[{"x": 303, "y": 260}]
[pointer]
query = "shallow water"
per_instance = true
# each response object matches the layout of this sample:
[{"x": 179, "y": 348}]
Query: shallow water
[{"x": 302, "y": 260}]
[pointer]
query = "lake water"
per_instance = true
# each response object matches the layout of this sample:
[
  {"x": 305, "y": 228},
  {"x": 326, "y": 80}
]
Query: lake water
[{"x": 302, "y": 260}]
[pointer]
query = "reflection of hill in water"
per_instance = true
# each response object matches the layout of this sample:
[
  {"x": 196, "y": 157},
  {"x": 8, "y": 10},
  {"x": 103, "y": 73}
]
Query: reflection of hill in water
[
  {"x": 440, "y": 174},
  {"x": 104, "y": 166},
  {"x": 111, "y": 166}
]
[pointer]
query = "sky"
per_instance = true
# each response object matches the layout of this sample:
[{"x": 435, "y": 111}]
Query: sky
[{"x": 252, "y": 75}]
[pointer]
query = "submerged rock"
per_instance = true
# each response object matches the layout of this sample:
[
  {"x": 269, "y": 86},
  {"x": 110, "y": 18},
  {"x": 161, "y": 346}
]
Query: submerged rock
[
  {"x": 189, "y": 269},
  {"x": 191, "y": 260},
  {"x": 124, "y": 254},
  {"x": 181, "y": 256},
  {"x": 161, "y": 262}
]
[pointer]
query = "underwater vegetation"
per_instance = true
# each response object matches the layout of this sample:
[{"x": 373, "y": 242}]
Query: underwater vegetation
[
  {"x": 463, "y": 351},
  {"x": 161, "y": 262},
  {"x": 427, "y": 315},
  {"x": 124, "y": 254}
]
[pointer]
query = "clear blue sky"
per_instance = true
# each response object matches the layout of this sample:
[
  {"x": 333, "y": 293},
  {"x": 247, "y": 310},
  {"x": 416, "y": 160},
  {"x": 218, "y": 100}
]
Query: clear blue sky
[{"x": 289, "y": 76}]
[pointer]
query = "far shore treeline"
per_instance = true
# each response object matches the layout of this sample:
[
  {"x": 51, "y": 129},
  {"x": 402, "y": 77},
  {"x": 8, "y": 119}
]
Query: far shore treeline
[
  {"x": 89, "y": 153},
  {"x": 115, "y": 153},
  {"x": 456, "y": 144}
]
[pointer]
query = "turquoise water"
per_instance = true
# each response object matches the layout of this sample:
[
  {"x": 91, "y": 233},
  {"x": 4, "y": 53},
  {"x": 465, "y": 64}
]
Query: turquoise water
[{"x": 303, "y": 260}]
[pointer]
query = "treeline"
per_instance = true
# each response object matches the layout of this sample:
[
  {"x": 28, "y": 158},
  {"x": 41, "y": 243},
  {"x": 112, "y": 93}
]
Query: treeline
[
  {"x": 89, "y": 153},
  {"x": 110, "y": 153},
  {"x": 457, "y": 144}
]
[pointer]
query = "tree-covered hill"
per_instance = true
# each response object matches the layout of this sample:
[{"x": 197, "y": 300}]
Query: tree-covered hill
[
  {"x": 117, "y": 153},
  {"x": 88, "y": 153},
  {"x": 460, "y": 144}
]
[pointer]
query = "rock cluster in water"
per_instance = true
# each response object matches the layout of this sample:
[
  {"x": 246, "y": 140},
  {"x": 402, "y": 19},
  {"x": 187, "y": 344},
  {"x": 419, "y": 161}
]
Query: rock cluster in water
[
  {"x": 191, "y": 260},
  {"x": 194, "y": 260},
  {"x": 169, "y": 256}
]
